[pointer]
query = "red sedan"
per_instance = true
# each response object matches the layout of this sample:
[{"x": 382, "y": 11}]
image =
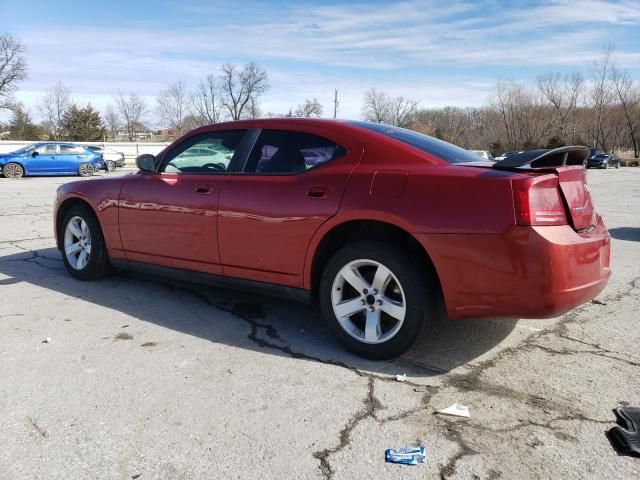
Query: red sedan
[{"x": 375, "y": 223}]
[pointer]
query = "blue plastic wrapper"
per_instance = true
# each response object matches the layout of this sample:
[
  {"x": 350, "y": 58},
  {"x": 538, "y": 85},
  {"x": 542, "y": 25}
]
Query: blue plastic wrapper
[{"x": 406, "y": 456}]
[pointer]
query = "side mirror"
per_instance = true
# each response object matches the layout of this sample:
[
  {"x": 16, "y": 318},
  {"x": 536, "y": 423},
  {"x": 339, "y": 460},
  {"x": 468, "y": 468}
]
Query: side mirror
[
  {"x": 35, "y": 154},
  {"x": 146, "y": 163}
]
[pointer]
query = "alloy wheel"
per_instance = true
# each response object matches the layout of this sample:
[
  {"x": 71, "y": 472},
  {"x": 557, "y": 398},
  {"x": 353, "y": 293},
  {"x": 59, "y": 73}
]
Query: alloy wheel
[
  {"x": 13, "y": 170},
  {"x": 368, "y": 301},
  {"x": 86, "y": 170},
  {"x": 77, "y": 243}
]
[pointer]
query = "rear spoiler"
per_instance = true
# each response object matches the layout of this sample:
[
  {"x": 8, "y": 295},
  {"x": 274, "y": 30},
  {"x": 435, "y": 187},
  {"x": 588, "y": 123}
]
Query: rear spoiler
[{"x": 544, "y": 159}]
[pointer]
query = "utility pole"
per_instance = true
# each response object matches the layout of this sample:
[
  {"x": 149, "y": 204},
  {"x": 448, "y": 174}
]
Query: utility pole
[{"x": 335, "y": 103}]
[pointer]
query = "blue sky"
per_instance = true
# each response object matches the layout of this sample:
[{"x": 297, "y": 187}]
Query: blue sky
[{"x": 439, "y": 52}]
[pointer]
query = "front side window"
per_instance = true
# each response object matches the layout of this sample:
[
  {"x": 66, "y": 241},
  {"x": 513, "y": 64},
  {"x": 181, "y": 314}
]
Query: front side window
[
  {"x": 286, "y": 152},
  {"x": 47, "y": 149},
  {"x": 210, "y": 152}
]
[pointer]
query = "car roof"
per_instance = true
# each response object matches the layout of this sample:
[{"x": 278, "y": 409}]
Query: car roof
[{"x": 283, "y": 123}]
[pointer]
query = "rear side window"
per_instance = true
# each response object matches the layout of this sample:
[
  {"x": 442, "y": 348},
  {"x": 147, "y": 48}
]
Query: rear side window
[
  {"x": 71, "y": 150},
  {"x": 287, "y": 152},
  {"x": 438, "y": 148}
]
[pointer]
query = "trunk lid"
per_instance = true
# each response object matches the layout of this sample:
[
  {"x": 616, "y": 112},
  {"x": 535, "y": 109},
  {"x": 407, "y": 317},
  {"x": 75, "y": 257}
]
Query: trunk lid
[{"x": 568, "y": 163}]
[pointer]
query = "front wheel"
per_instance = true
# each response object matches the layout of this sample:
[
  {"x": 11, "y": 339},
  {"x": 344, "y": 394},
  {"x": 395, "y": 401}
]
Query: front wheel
[
  {"x": 375, "y": 299},
  {"x": 13, "y": 170},
  {"x": 84, "y": 252},
  {"x": 85, "y": 170}
]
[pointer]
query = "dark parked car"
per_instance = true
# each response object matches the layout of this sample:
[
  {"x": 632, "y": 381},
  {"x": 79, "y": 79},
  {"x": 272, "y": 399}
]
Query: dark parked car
[
  {"x": 599, "y": 159},
  {"x": 375, "y": 223}
]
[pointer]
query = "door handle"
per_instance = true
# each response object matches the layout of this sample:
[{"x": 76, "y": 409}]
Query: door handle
[
  {"x": 318, "y": 192},
  {"x": 204, "y": 189}
]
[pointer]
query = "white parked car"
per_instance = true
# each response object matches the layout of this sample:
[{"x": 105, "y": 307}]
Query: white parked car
[
  {"x": 108, "y": 155},
  {"x": 484, "y": 154}
]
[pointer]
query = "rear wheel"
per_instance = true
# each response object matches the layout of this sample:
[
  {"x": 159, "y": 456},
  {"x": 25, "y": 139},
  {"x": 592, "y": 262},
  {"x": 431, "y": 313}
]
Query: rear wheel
[
  {"x": 84, "y": 251},
  {"x": 85, "y": 170},
  {"x": 13, "y": 170},
  {"x": 375, "y": 299},
  {"x": 110, "y": 165}
]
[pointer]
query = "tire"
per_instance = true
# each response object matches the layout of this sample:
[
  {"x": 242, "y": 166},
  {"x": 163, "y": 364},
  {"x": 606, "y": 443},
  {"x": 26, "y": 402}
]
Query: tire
[
  {"x": 96, "y": 263},
  {"x": 85, "y": 170},
  {"x": 109, "y": 165},
  {"x": 407, "y": 286},
  {"x": 618, "y": 165},
  {"x": 606, "y": 165},
  {"x": 13, "y": 170}
]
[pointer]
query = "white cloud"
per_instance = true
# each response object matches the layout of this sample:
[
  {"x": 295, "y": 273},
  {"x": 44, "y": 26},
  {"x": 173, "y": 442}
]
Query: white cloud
[{"x": 407, "y": 48}]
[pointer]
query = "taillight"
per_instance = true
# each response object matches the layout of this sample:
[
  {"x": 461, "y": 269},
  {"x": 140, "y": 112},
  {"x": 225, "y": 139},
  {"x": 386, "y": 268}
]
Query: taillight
[{"x": 537, "y": 201}]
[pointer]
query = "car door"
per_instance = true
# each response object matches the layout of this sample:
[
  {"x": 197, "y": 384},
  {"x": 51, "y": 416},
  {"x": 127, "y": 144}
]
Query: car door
[
  {"x": 170, "y": 218},
  {"x": 70, "y": 158},
  {"x": 43, "y": 160},
  {"x": 292, "y": 182}
]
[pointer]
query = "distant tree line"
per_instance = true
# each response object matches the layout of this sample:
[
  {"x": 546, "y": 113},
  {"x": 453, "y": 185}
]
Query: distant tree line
[{"x": 600, "y": 109}]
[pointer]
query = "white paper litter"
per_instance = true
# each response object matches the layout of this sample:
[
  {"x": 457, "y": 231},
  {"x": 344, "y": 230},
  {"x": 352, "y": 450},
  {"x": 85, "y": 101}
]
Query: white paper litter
[
  {"x": 457, "y": 410},
  {"x": 401, "y": 378}
]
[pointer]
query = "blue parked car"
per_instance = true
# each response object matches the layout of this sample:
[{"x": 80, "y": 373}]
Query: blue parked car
[{"x": 50, "y": 158}]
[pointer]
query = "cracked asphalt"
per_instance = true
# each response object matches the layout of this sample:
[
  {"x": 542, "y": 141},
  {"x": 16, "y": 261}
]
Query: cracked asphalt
[{"x": 154, "y": 379}]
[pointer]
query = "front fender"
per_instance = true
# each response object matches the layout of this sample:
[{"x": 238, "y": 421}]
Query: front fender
[{"x": 101, "y": 196}]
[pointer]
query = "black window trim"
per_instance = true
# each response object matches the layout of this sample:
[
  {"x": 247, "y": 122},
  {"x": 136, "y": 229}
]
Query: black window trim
[{"x": 291, "y": 174}]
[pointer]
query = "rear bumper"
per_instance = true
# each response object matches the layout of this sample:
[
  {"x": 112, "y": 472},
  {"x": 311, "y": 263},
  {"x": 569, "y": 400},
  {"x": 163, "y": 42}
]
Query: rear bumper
[{"x": 529, "y": 272}]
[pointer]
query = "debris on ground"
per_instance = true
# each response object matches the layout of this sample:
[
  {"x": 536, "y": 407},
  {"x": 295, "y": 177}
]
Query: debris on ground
[
  {"x": 401, "y": 378},
  {"x": 625, "y": 437},
  {"x": 47, "y": 340},
  {"x": 457, "y": 410},
  {"x": 420, "y": 388},
  {"x": 122, "y": 336},
  {"x": 405, "y": 456}
]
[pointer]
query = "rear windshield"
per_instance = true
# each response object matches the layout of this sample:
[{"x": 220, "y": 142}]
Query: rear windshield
[{"x": 438, "y": 148}]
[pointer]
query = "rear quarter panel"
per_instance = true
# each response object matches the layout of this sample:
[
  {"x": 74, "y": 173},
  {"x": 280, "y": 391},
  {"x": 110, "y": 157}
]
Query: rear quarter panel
[{"x": 423, "y": 195}]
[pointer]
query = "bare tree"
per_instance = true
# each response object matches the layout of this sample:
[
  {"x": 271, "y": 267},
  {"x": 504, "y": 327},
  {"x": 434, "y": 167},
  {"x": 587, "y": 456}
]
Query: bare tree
[
  {"x": 382, "y": 108},
  {"x": 601, "y": 95},
  {"x": 173, "y": 106},
  {"x": 53, "y": 106},
  {"x": 376, "y": 106},
  {"x": 13, "y": 68},
  {"x": 563, "y": 95},
  {"x": 523, "y": 114},
  {"x": 112, "y": 122},
  {"x": 402, "y": 111},
  {"x": 240, "y": 86},
  {"x": 253, "y": 110},
  {"x": 310, "y": 108},
  {"x": 629, "y": 97},
  {"x": 206, "y": 104},
  {"x": 131, "y": 108}
]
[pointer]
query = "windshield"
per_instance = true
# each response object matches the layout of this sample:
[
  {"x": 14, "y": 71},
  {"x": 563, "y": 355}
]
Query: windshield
[
  {"x": 438, "y": 148},
  {"x": 25, "y": 149}
]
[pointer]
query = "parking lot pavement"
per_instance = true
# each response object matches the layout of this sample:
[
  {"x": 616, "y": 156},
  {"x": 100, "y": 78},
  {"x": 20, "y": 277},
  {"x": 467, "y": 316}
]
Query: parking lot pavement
[{"x": 146, "y": 378}]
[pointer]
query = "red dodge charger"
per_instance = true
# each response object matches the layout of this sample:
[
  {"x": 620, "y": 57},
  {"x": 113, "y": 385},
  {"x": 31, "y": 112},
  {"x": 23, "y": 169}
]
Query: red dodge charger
[{"x": 375, "y": 223}]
